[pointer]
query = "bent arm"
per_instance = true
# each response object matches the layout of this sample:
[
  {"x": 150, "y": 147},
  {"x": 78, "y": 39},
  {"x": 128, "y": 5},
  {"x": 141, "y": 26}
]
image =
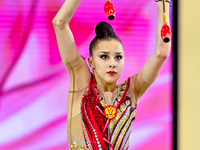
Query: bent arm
[
  {"x": 65, "y": 39},
  {"x": 151, "y": 69},
  {"x": 76, "y": 66}
]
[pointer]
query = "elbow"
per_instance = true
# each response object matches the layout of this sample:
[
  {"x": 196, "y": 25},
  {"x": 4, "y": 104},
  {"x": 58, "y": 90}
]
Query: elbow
[
  {"x": 58, "y": 23},
  {"x": 163, "y": 54},
  {"x": 163, "y": 49}
]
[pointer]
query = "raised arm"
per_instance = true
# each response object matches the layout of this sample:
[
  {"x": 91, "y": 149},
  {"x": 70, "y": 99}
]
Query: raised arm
[
  {"x": 65, "y": 39},
  {"x": 76, "y": 66},
  {"x": 150, "y": 71}
]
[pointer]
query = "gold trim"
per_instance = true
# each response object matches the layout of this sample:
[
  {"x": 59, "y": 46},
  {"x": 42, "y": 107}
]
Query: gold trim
[
  {"x": 121, "y": 136},
  {"x": 120, "y": 125}
]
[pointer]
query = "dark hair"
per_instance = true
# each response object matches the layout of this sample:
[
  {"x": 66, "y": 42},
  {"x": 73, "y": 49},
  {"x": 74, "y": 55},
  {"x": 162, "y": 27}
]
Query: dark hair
[{"x": 104, "y": 31}]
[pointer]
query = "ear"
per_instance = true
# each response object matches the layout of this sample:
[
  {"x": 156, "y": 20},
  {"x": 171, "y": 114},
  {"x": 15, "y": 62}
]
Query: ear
[{"x": 91, "y": 63}]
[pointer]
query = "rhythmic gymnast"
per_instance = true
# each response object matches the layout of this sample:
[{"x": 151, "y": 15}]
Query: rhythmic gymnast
[{"x": 100, "y": 111}]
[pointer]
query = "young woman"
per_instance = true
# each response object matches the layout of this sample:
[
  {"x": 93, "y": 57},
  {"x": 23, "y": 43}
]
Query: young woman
[{"x": 100, "y": 112}]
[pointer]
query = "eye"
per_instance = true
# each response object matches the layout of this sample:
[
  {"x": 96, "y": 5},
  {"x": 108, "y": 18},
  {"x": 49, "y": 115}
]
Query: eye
[
  {"x": 119, "y": 57},
  {"x": 104, "y": 57}
]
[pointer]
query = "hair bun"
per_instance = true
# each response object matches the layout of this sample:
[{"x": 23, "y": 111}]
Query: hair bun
[{"x": 102, "y": 26}]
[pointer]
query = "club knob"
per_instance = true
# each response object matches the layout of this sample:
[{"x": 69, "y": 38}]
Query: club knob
[{"x": 109, "y": 9}]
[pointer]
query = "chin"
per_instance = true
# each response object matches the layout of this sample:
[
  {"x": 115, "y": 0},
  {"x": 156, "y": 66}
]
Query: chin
[{"x": 111, "y": 79}]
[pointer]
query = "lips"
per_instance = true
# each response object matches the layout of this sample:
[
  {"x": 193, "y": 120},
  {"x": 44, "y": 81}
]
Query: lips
[{"x": 111, "y": 73}]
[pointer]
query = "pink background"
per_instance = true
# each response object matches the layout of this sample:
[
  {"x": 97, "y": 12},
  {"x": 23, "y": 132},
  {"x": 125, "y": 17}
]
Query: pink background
[{"x": 34, "y": 81}]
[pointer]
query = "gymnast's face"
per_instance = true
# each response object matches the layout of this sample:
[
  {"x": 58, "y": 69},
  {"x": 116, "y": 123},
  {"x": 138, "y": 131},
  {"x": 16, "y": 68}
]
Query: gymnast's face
[{"x": 107, "y": 60}]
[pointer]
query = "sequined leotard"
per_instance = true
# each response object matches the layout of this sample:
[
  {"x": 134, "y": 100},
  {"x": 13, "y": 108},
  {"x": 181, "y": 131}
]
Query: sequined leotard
[{"x": 91, "y": 129}]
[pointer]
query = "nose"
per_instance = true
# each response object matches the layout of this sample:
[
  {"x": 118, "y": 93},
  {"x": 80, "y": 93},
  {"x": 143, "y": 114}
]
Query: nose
[{"x": 112, "y": 63}]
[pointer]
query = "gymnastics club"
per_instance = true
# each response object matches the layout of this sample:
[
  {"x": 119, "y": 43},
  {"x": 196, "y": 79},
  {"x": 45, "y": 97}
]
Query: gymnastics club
[
  {"x": 165, "y": 31},
  {"x": 109, "y": 9}
]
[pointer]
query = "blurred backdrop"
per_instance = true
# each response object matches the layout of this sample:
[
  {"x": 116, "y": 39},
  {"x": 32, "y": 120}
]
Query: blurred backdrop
[{"x": 34, "y": 81}]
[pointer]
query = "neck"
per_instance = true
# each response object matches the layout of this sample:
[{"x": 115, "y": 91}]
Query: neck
[{"x": 104, "y": 86}]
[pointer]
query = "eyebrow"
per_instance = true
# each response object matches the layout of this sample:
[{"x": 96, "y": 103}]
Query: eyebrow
[{"x": 109, "y": 52}]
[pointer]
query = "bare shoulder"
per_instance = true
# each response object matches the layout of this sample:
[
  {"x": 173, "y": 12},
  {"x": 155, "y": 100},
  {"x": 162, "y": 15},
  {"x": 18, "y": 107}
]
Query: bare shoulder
[
  {"x": 133, "y": 90},
  {"x": 138, "y": 86},
  {"x": 79, "y": 73},
  {"x": 134, "y": 83}
]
